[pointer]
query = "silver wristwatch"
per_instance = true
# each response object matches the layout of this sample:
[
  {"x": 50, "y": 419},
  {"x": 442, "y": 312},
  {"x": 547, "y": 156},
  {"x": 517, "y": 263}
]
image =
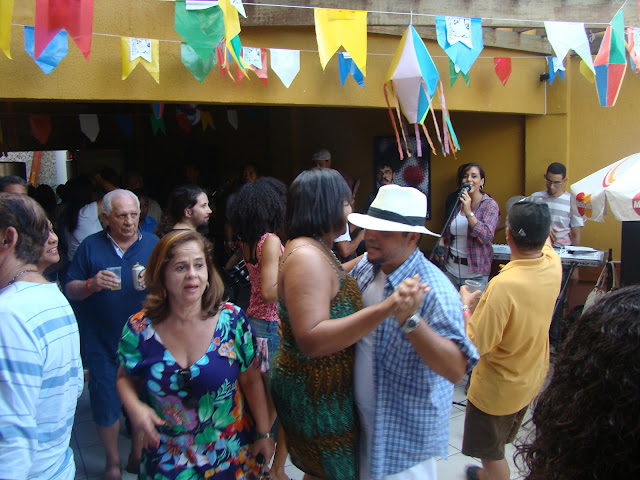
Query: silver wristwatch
[{"x": 411, "y": 323}]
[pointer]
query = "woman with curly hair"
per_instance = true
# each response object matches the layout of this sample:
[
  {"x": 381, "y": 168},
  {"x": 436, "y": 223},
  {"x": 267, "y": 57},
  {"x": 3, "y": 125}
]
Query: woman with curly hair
[
  {"x": 187, "y": 209},
  {"x": 588, "y": 419},
  {"x": 257, "y": 215}
]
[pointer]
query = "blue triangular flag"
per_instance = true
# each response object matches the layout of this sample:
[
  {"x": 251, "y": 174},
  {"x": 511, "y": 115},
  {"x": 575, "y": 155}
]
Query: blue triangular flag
[
  {"x": 52, "y": 55},
  {"x": 348, "y": 66}
]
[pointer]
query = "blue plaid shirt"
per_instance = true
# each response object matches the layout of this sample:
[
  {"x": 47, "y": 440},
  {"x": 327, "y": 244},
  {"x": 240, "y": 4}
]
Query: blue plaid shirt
[{"x": 413, "y": 403}]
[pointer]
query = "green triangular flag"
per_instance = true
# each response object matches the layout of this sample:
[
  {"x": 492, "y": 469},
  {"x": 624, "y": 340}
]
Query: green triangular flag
[
  {"x": 201, "y": 29},
  {"x": 157, "y": 124},
  {"x": 453, "y": 74},
  {"x": 198, "y": 66}
]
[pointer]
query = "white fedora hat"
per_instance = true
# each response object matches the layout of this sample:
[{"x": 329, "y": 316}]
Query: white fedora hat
[{"x": 395, "y": 209}]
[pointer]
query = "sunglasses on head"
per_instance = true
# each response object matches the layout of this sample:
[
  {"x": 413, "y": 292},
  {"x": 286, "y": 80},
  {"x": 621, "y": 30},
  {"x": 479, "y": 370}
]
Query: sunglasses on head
[{"x": 184, "y": 383}]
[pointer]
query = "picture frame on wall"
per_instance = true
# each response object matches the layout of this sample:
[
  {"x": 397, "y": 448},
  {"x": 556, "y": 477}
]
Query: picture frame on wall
[{"x": 413, "y": 171}]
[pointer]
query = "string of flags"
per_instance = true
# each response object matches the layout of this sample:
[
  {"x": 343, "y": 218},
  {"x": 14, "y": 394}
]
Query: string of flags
[{"x": 211, "y": 33}]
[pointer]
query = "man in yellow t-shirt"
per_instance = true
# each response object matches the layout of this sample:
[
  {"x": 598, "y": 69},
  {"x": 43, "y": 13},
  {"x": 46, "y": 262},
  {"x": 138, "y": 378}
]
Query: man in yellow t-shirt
[{"x": 510, "y": 329}]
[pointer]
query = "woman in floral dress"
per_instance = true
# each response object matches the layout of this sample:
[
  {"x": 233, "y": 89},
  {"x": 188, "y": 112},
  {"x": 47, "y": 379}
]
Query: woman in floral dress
[{"x": 195, "y": 361}]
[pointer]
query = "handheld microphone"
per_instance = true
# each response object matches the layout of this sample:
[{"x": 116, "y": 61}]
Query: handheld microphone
[{"x": 465, "y": 186}]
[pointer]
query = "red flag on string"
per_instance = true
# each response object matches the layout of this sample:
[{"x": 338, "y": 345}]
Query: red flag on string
[
  {"x": 40, "y": 127},
  {"x": 503, "y": 68},
  {"x": 75, "y": 16}
]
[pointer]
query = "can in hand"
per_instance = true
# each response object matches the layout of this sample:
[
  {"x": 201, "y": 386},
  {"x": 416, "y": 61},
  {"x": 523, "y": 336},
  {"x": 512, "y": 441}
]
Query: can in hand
[{"x": 136, "y": 272}]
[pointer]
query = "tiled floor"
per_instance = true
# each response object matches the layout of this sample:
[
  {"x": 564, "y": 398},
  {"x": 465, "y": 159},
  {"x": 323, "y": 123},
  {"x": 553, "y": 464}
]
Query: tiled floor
[{"x": 89, "y": 454}]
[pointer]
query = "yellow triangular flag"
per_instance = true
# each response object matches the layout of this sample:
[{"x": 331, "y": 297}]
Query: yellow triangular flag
[
  {"x": 206, "y": 120},
  {"x": 586, "y": 72},
  {"x": 152, "y": 51},
  {"x": 342, "y": 27},
  {"x": 232, "y": 30},
  {"x": 6, "y": 12}
]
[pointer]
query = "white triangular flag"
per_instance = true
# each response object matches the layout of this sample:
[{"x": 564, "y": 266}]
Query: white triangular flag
[
  {"x": 232, "y": 117},
  {"x": 286, "y": 64},
  {"x": 201, "y": 4},
  {"x": 90, "y": 126},
  {"x": 565, "y": 36}
]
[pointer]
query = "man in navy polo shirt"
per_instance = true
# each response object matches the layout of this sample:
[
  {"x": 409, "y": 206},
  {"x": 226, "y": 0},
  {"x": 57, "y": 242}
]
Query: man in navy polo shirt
[{"x": 103, "y": 305}]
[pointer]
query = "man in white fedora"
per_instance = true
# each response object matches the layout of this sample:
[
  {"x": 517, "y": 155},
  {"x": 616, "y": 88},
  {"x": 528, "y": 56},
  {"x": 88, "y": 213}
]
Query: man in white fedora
[{"x": 406, "y": 368}]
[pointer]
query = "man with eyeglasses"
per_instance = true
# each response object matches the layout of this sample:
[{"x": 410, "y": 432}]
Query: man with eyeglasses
[
  {"x": 566, "y": 229},
  {"x": 103, "y": 304}
]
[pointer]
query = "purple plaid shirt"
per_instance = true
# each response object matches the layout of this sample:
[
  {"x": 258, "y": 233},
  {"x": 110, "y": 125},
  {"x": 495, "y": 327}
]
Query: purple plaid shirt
[{"x": 480, "y": 238}]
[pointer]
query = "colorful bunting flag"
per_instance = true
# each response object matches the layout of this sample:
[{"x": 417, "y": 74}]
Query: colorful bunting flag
[
  {"x": 232, "y": 32},
  {"x": 413, "y": 80},
  {"x": 503, "y": 68},
  {"x": 198, "y": 66},
  {"x": 285, "y": 63},
  {"x": 158, "y": 109},
  {"x": 555, "y": 66},
  {"x": 74, "y": 16},
  {"x": 633, "y": 46},
  {"x": 90, "y": 126},
  {"x": 587, "y": 72},
  {"x": 143, "y": 51},
  {"x": 611, "y": 62},
  {"x": 200, "y": 29},
  {"x": 256, "y": 61},
  {"x": 40, "y": 127},
  {"x": 187, "y": 115},
  {"x": 223, "y": 58},
  {"x": 348, "y": 28},
  {"x": 565, "y": 36},
  {"x": 50, "y": 56},
  {"x": 455, "y": 72},
  {"x": 6, "y": 13},
  {"x": 207, "y": 121},
  {"x": 157, "y": 124},
  {"x": 461, "y": 39},
  {"x": 348, "y": 67},
  {"x": 125, "y": 122}
]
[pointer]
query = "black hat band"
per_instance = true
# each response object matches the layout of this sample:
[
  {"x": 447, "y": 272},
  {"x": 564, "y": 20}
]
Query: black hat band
[{"x": 395, "y": 217}]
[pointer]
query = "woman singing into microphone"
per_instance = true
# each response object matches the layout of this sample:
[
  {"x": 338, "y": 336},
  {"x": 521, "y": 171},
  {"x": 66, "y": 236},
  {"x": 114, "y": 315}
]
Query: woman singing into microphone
[{"x": 468, "y": 240}]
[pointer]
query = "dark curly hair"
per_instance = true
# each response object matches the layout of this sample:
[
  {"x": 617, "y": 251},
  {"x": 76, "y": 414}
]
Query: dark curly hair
[
  {"x": 259, "y": 208},
  {"x": 156, "y": 305},
  {"x": 315, "y": 203},
  {"x": 184, "y": 196},
  {"x": 588, "y": 419}
]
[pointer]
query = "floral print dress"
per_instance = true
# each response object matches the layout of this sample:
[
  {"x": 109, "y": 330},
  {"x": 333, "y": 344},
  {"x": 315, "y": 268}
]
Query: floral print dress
[{"x": 207, "y": 428}]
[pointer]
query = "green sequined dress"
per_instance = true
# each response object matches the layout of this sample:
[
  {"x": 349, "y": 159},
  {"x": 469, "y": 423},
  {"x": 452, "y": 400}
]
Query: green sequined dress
[{"x": 314, "y": 398}]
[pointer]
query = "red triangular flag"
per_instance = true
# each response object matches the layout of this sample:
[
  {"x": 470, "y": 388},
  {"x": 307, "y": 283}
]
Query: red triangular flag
[
  {"x": 40, "y": 127},
  {"x": 503, "y": 68},
  {"x": 75, "y": 16},
  {"x": 260, "y": 72}
]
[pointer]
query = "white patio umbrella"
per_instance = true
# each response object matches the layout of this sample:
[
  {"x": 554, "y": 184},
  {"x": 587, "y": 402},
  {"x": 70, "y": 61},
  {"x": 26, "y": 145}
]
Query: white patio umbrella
[{"x": 614, "y": 189}]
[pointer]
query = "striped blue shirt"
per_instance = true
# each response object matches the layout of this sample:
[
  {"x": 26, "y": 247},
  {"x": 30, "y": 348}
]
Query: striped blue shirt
[
  {"x": 413, "y": 403},
  {"x": 41, "y": 378}
]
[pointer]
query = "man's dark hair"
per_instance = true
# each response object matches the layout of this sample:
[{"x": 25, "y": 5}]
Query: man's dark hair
[
  {"x": 28, "y": 218},
  {"x": 557, "y": 168},
  {"x": 529, "y": 223},
  {"x": 315, "y": 203},
  {"x": 386, "y": 162},
  {"x": 11, "y": 180},
  {"x": 184, "y": 196}
]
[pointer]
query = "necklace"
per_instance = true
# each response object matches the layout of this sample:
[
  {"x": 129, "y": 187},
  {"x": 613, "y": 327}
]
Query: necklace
[
  {"x": 20, "y": 273},
  {"x": 335, "y": 257}
]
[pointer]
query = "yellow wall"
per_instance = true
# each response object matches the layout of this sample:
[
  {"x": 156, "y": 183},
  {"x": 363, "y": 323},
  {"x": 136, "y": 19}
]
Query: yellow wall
[
  {"x": 100, "y": 79},
  {"x": 586, "y": 139}
]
